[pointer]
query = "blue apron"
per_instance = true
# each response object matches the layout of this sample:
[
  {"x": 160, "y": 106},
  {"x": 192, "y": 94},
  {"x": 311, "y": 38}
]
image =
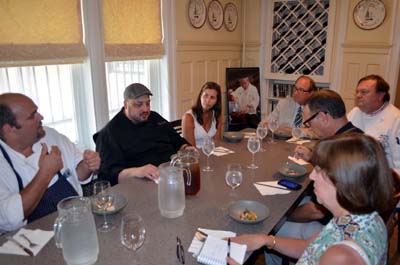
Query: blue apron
[{"x": 48, "y": 203}]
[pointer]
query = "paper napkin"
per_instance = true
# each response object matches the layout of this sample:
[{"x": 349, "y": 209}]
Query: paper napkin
[
  {"x": 196, "y": 244},
  {"x": 297, "y": 140},
  {"x": 264, "y": 190},
  {"x": 39, "y": 237},
  {"x": 221, "y": 151},
  {"x": 298, "y": 160}
]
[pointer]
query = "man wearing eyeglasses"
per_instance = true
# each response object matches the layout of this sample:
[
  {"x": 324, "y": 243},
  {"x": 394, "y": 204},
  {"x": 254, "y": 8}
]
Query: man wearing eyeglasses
[
  {"x": 288, "y": 111},
  {"x": 325, "y": 114},
  {"x": 377, "y": 117}
]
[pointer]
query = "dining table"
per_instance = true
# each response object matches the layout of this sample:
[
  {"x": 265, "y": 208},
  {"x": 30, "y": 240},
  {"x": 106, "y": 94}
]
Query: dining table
[{"x": 207, "y": 209}]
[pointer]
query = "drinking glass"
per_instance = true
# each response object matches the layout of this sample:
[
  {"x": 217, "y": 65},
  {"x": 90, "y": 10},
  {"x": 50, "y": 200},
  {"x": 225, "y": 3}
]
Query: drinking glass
[
  {"x": 254, "y": 146},
  {"x": 133, "y": 232},
  {"x": 208, "y": 148},
  {"x": 262, "y": 132},
  {"x": 297, "y": 133},
  {"x": 103, "y": 199},
  {"x": 234, "y": 175},
  {"x": 273, "y": 125}
]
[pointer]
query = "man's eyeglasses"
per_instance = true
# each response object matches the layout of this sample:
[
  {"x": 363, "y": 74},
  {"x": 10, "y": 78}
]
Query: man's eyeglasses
[
  {"x": 301, "y": 90},
  {"x": 306, "y": 123},
  {"x": 180, "y": 252}
]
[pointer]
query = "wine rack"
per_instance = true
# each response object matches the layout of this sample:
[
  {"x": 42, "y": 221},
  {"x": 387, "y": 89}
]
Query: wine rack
[{"x": 299, "y": 37}]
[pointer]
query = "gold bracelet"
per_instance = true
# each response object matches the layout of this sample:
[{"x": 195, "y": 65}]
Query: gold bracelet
[{"x": 273, "y": 242}]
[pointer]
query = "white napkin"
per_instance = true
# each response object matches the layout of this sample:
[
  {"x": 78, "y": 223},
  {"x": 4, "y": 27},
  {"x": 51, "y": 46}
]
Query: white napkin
[
  {"x": 37, "y": 236},
  {"x": 299, "y": 161},
  {"x": 221, "y": 151},
  {"x": 264, "y": 190},
  {"x": 297, "y": 140},
  {"x": 249, "y": 134},
  {"x": 196, "y": 244}
]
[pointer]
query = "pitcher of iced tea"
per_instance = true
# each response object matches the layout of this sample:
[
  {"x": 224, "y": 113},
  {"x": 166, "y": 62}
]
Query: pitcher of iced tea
[{"x": 189, "y": 159}]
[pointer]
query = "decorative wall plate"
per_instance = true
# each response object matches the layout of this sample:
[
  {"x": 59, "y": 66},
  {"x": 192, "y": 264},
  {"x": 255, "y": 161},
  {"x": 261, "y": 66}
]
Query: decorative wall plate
[
  {"x": 369, "y": 14},
  {"x": 230, "y": 16},
  {"x": 215, "y": 14},
  {"x": 197, "y": 12}
]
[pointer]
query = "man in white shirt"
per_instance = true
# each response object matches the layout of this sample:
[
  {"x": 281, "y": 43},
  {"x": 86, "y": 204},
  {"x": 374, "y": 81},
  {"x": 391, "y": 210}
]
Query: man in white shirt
[
  {"x": 248, "y": 99},
  {"x": 39, "y": 166},
  {"x": 377, "y": 117},
  {"x": 288, "y": 112}
]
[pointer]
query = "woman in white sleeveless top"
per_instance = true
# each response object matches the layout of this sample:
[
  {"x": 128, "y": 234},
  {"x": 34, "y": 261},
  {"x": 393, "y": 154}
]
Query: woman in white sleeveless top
[{"x": 204, "y": 118}]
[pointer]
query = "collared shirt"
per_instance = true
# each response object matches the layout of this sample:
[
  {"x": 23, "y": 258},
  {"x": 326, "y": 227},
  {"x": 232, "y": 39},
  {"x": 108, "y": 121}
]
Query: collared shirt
[
  {"x": 383, "y": 126},
  {"x": 247, "y": 97},
  {"x": 11, "y": 209},
  {"x": 285, "y": 111}
]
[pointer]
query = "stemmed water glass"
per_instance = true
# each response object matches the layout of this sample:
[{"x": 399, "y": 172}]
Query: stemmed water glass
[
  {"x": 208, "y": 148},
  {"x": 253, "y": 145},
  {"x": 234, "y": 175},
  {"x": 262, "y": 132},
  {"x": 103, "y": 200},
  {"x": 273, "y": 125}
]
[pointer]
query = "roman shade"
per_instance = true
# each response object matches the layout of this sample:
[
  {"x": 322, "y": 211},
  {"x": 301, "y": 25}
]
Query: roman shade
[
  {"x": 132, "y": 29},
  {"x": 34, "y": 32}
]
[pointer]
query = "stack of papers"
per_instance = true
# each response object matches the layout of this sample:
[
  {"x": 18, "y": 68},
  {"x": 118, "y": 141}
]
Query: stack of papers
[{"x": 196, "y": 244}]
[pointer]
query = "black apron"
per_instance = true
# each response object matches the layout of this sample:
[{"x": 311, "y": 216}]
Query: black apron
[{"x": 48, "y": 203}]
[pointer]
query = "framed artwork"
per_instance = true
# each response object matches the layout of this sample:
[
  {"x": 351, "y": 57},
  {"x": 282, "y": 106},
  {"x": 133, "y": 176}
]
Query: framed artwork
[{"x": 243, "y": 98}]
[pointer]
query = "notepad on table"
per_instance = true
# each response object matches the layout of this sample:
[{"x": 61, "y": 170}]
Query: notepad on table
[{"x": 215, "y": 250}]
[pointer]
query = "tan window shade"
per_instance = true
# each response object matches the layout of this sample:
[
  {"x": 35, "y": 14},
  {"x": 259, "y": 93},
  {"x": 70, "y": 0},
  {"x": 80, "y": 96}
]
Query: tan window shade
[
  {"x": 132, "y": 29},
  {"x": 36, "y": 32}
]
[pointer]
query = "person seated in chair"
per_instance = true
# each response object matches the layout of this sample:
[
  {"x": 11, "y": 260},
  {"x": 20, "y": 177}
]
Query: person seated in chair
[
  {"x": 204, "y": 119},
  {"x": 136, "y": 140},
  {"x": 39, "y": 166}
]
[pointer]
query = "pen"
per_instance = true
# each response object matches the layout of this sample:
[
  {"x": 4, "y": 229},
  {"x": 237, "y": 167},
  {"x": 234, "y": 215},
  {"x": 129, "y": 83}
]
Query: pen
[
  {"x": 271, "y": 186},
  {"x": 229, "y": 247},
  {"x": 25, "y": 249}
]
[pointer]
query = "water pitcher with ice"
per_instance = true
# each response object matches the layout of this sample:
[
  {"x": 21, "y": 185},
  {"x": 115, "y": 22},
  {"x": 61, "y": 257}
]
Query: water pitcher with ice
[
  {"x": 75, "y": 231},
  {"x": 171, "y": 191}
]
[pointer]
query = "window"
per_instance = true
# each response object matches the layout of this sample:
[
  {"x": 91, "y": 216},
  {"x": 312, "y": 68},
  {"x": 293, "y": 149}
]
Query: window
[{"x": 64, "y": 95}]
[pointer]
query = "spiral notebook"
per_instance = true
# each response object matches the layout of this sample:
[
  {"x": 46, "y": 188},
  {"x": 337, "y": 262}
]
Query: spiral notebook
[{"x": 215, "y": 250}]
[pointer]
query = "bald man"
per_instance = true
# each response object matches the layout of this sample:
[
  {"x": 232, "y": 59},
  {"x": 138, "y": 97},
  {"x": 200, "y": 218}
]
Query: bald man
[{"x": 39, "y": 166}]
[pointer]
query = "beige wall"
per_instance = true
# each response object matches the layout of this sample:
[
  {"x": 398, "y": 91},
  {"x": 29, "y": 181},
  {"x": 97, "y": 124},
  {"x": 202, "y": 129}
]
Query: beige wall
[
  {"x": 203, "y": 54},
  {"x": 366, "y": 51}
]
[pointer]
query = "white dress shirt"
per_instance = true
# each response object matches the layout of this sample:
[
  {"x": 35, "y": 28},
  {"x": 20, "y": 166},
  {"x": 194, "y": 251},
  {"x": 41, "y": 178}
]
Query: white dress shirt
[{"x": 11, "y": 210}]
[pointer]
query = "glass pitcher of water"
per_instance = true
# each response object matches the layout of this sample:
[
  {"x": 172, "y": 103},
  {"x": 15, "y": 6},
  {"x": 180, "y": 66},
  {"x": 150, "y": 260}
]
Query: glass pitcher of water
[
  {"x": 75, "y": 231},
  {"x": 171, "y": 191}
]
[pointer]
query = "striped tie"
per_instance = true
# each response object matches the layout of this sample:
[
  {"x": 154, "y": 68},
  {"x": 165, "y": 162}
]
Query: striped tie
[{"x": 299, "y": 117}]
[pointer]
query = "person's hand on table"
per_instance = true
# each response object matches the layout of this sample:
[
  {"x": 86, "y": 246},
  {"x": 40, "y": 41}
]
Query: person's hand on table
[{"x": 148, "y": 171}]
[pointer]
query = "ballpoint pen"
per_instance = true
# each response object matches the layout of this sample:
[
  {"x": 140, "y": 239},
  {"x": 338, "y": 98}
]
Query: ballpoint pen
[
  {"x": 27, "y": 250},
  {"x": 271, "y": 186},
  {"x": 229, "y": 248}
]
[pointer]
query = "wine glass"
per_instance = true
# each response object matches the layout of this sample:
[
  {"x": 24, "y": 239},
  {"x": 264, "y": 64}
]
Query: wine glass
[
  {"x": 234, "y": 175},
  {"x": 273, "y": 125},
  {"x": 254, "y": 146},
  {"x": 297, "y": 133},
  {"x": 262, "y": 132},
  {"x": 103, "y": 200},
  {"x": 208, "y": 148},
  {"x": 133, "y": 232}
]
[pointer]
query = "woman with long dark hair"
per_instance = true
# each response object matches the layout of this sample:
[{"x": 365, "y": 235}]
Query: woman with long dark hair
[{"x": 204, "y": 118}]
